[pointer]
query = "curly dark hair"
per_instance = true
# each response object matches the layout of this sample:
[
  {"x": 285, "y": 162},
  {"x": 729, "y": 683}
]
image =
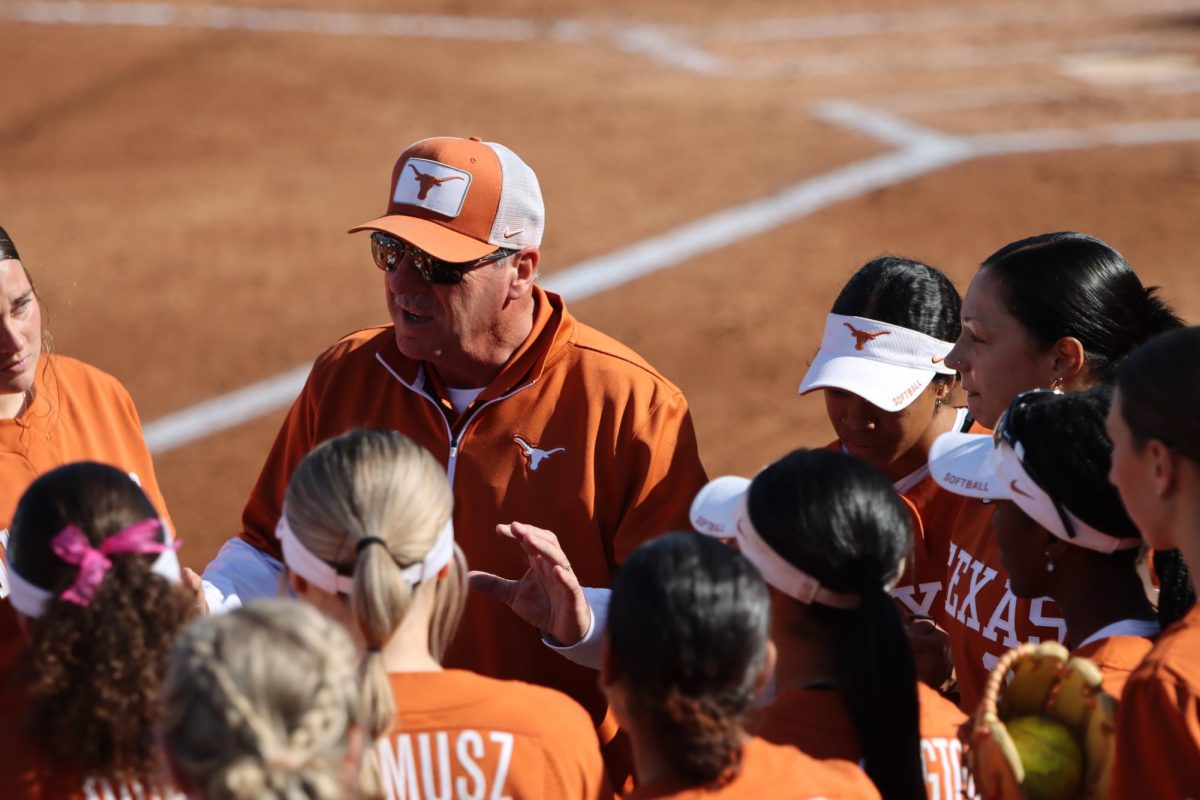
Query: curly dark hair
[
  {"x": 94, "y": 671},
  {"x": 688, "y": 630}
]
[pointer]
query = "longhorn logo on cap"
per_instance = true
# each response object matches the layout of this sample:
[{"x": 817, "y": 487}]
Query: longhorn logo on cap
[
  {"x": 428, "y": 182},
  {"x": 862, "y": 337}
]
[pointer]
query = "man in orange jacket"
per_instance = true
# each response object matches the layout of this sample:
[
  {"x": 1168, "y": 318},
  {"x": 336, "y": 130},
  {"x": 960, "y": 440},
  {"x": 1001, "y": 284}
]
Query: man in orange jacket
[{"x": 537, "y": 417}]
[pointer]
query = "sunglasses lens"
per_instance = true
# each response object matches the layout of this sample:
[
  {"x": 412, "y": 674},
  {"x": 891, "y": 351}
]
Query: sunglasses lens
[
  {"x": 386, "y": 251},
  {"x": 389, "y": 252}
]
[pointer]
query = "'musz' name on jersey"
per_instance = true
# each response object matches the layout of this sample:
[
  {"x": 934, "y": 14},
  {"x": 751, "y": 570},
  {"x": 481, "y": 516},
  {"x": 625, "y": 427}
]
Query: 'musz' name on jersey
[{"x": 445, "y": 765}]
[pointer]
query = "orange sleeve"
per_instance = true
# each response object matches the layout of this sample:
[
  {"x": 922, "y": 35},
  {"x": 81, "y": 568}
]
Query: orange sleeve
[
  {"x": 1158, "y": 741},
  {"x": 665, "y": 454},
  {"x": 295, "y": 439}
]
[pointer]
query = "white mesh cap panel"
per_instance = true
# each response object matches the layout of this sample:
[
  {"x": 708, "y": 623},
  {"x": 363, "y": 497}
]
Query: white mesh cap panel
[{"x": 521, "y": 214}]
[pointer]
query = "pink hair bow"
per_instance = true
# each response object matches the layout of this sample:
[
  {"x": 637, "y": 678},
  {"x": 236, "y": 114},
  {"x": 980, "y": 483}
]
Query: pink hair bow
[{"x": 71, "y": 545}]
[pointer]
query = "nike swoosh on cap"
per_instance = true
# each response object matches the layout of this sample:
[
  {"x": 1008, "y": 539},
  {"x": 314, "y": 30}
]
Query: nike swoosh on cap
[{"x": 509, "y": 233}]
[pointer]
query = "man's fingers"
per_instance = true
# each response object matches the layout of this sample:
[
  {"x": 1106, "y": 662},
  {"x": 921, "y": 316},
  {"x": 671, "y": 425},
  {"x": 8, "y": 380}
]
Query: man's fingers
[
  {"x": 536, "y": 541},
  {"x": 492, "y": 586}
]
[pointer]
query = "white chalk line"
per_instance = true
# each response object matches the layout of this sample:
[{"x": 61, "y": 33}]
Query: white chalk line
[
  {"x": 883, "y": 23},
  {"x": 919, "y": 151},
  {"x": 675, "y": 46},
  {"x": 273, "y": 20}
]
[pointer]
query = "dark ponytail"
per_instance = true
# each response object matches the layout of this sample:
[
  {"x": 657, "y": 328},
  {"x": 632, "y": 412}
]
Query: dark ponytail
[
  {"x": 1176, "y": 594},
  {"x": 841, "y": 521},
  {"x": 1072, "y": 284},
  {"x": 688, "y": 628}
]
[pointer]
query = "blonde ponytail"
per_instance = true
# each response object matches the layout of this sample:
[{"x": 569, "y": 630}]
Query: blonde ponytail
[{"x": 370, "y": 503}]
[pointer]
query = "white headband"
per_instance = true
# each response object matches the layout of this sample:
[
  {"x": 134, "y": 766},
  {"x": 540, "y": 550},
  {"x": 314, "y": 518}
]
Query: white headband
[
  {"x": 1037, "y": 503},
  {"x": 30, "y": 600},
  {"x": 719, "y": 510},
  {"x": 324, "y": 576},
  {"x": 974, "y": 465},
  {"x": 885, "y": 364}
]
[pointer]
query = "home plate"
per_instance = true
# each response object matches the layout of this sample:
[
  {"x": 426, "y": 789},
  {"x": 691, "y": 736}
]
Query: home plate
[{"x": 1128, "y": 69}]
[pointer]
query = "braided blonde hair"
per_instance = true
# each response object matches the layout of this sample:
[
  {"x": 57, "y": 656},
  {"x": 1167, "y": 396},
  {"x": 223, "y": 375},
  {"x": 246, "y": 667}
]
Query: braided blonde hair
[
  {"x": 262, "y": 702},
  {"x": 380, "y": 484}
]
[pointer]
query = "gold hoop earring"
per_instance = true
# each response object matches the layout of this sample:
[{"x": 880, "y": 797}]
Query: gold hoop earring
[{"x": 1057, "y": 383}]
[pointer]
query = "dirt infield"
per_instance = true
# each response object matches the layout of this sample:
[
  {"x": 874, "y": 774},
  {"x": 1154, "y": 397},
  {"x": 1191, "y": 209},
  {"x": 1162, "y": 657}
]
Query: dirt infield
[{"x": 180, "y": 177}]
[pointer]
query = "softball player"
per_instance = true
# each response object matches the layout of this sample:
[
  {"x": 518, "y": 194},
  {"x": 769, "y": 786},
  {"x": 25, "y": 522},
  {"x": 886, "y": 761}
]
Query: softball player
[
  {"x": 53, "y": 410},
  {"x": 830, "y": 536},
  {"x": 1059, "y": 523},
  {"x": 366, "y": 536},
  {"x": 1156, "y": 468},
  {"x": 93, "y": 574},
  {"x": 1055, "y": 310},
  {"x": 262, "y": 703},
  {"x": 888, "y": 395},
  {"x": 688, "y": 649}
]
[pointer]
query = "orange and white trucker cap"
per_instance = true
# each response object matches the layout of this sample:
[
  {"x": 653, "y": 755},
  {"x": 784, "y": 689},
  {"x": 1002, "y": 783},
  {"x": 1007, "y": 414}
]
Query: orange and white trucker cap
[
  {"x": 461, "y": 199},
  {"x": 977, "y": 465},
  {"x": 884, "y": 364},
  {"x": 719, "y": 510}
]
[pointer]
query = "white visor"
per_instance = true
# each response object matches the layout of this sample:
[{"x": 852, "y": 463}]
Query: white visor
[
  {"x": 719, "y": 510},
  {"x": 324, "y": 576},
  {"x": 30, "y": 600},
  {"x": 886, "y": 365},
  {"x": 972, "y": 465}
]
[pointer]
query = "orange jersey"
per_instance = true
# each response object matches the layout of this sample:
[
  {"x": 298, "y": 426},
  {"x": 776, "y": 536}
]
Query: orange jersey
[
  {"x": 918, "y": 586},
  {"x": 1117, "y": 657},
  {"x": 978, "y": 610},
  {"x": 818, "y": 722},
  {"x": 1158, "y": 725},
  {"x": 982, "y": 616},
  {"x": 78, "y": 414},
  {"x": 458, "y": 734},
  {"x": 920, "y": 589},
  {"x": 577, "y": 434},
  {"x": 771, "y": 770}
]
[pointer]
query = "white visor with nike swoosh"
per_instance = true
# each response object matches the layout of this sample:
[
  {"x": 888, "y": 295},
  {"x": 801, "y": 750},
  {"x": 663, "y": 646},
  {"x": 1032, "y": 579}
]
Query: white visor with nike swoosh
[
  {"x": 719, "y": 510},
  {"x": 886, "y": 365},
  {"x": 302, "y": 561},
  {"x": 975, "y": 465}
]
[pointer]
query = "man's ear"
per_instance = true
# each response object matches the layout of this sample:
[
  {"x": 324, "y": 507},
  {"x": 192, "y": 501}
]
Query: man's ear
[
  {"x": 525, "y": 262},
  {"x": 1070, "y": 359}
]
